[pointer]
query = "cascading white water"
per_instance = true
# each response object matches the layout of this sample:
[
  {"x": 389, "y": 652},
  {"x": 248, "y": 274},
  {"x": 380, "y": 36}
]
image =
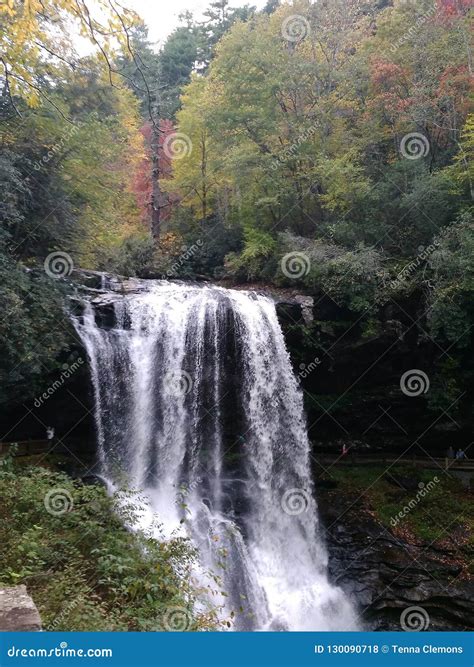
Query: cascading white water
[{"x": 194, "y": 389}]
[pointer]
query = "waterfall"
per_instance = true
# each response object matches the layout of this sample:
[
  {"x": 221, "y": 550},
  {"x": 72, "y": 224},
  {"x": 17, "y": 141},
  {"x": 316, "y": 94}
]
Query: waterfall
[{"x": 197, "y": 405}]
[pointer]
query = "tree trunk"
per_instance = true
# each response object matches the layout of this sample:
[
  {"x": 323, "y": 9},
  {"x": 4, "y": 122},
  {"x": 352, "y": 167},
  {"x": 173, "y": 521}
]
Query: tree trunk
[{"x": 155, "y": 199}]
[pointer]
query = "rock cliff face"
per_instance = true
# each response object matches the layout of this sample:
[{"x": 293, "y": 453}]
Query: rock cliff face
[
  {"x": 18, "y": 612},
  {"x": 351, "y": 369},
  {"x": 385, "y": 575}
]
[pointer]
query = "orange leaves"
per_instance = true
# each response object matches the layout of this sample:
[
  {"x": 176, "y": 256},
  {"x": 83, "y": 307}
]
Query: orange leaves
[
  {"x": 455, "y": 83},
  {"x": 142, "y": 184},
  {"x": 385, "y": 74},
  {"x": 453, "y": 8}
]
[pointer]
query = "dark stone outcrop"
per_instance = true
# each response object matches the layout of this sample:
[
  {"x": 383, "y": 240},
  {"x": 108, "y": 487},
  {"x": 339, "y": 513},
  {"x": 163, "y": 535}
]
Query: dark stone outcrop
[
  {"x": 289, "y": 312},
  {"x": 353, "y": 392},
  {"x": 384, "y": 574}
]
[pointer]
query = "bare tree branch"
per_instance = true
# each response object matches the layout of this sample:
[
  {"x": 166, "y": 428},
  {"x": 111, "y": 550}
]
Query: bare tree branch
[{"x": 7, "y": 86}]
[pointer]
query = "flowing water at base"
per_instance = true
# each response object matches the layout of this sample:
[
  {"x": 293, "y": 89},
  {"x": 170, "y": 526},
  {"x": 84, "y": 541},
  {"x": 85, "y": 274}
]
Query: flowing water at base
[{"x": 197, "y": 404}]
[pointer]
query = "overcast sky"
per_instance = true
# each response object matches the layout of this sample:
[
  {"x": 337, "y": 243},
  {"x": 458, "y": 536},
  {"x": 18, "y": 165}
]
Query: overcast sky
[{"x": 161, "y": 16}]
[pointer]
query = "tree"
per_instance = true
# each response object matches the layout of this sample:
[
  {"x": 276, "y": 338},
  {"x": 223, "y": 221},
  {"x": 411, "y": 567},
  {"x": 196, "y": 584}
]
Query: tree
[
  {"x": 195, "y": 174},
  {"x": 308, "y": 111},
  {"x": 219, "y": 18},
  {"x": 32, "y": 51},
  {"x": 177, "y": 60}
]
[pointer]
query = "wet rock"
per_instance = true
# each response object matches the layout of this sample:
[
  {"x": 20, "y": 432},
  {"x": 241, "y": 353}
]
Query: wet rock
[
  {"x": 307, "y": 307},
  {"x": 91, "y": 279},
  {"x": 289, "y": 312},
  {"x": 18, "y": 612}
]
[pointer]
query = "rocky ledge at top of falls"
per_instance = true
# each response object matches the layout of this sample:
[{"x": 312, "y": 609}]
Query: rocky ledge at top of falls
[
  {"x": 385, "y": 574},
  {"x": 105, "y": 289}
]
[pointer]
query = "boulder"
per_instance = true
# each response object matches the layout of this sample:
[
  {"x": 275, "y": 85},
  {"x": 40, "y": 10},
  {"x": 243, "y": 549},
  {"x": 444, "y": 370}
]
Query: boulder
[{"x": 18, "y": 612}]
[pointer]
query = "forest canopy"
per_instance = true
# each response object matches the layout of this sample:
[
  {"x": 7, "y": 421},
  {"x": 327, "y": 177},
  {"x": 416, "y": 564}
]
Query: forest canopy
[{"x": 320, "y": 144}]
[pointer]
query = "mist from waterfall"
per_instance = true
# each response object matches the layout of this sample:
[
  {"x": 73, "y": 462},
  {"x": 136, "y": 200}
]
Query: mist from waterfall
[{"x": 196, "y": 399}]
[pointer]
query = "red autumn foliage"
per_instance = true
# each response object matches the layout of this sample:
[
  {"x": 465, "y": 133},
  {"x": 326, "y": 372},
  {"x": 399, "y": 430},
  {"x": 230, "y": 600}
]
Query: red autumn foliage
[
  {"x": 455, "y": 83},
  {"x": 385, "y": 74},
  {"x": 448, "y": 8},
  {"x": 142, "y": 182}
]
